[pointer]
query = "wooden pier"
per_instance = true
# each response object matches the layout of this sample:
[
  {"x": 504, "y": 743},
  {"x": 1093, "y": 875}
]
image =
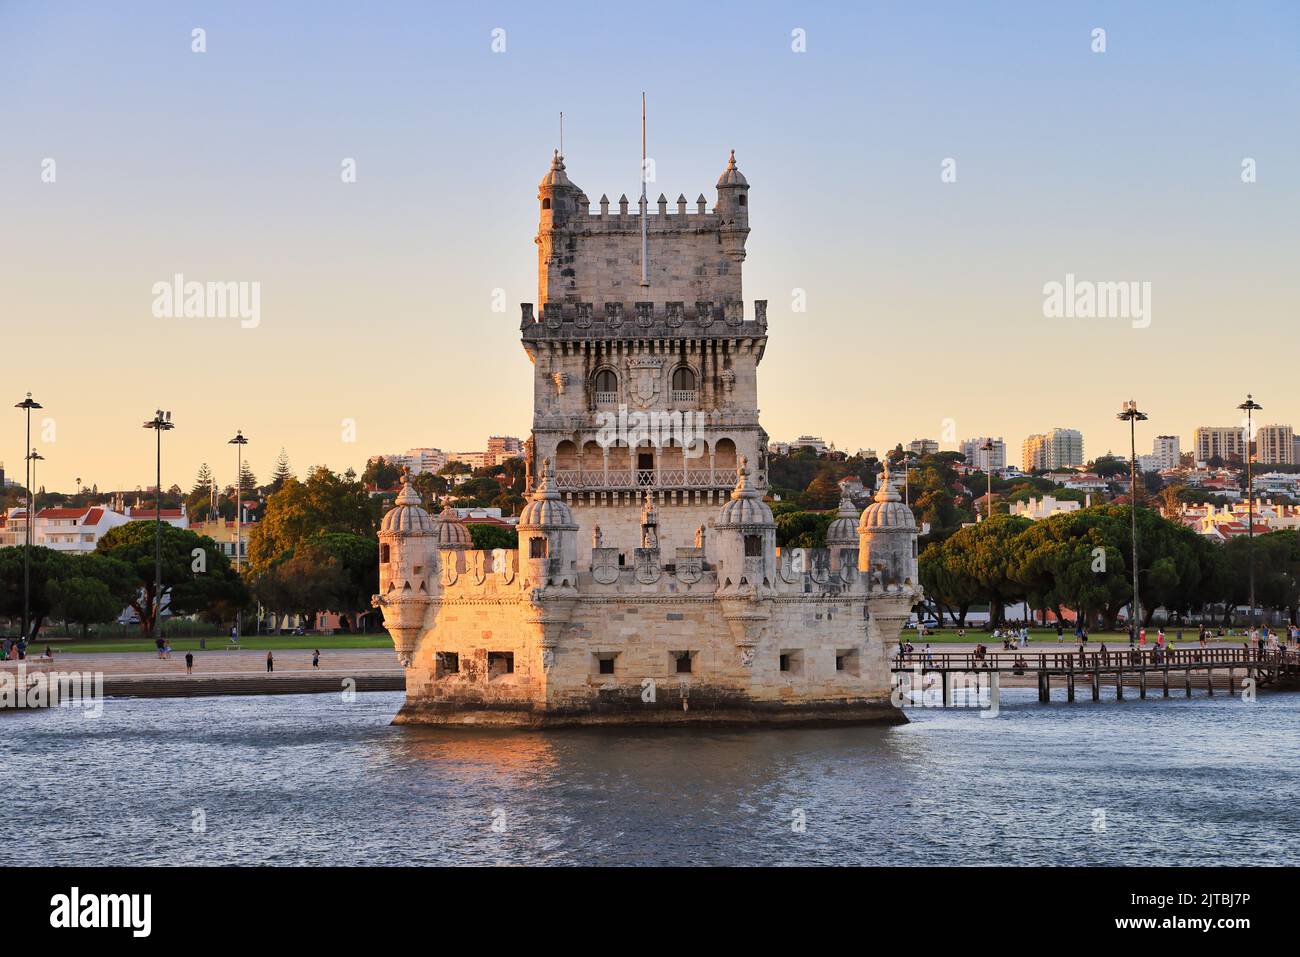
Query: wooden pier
[{"x": 1146, "y": 670}]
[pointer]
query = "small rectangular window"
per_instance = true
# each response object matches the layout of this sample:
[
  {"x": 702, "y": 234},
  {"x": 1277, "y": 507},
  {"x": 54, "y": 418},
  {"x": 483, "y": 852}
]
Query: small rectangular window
[
  {"x": 683, "y": 662},
  {"x": 537, "y": 548},
  {"x": 500, "y": 663},
  {"x": 605, "y": 665},
  {"x": 791, "y": 661},
  {"x": 446, "y": 663},
  {"x": 753, "y": 546}
]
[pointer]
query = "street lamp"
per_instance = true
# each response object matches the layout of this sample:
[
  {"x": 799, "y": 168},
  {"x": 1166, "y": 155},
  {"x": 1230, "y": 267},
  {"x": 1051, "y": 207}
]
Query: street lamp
[
  {"x": 1250, "y": 405},
  {"x": 238, "y": 442},
  {"x": 28, "y": 403},
  {"x": 160, "y": 423},
  {"x": 1131, "y": 413},
  {"x": 987, "y": 449},
  {"x": 33, "y": 456}
]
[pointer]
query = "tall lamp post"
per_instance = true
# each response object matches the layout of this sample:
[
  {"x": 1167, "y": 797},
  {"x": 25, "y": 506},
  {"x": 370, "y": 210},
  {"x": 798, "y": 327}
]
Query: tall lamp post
[
  {"x": 1131, "y": 413},
  {"x": 160, "y": 423},
  {"x": 1249, "y": 406},
  {"x": 987, "y": 449},
  {"x": 239, "y": 442},
  {"x": 28, "y": 403},
  {"x": 33, "y": 456}
]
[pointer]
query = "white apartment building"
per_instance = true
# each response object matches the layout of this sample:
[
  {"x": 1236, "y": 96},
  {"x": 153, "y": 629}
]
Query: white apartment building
[
  {"x": 1166, "y": 450},
  {"x": 1275, "y": 445},
  {"x": 923, "y": 447},
  {"x": 1058, "y": 449},
  {"x": 61, "y": 529},
  {"x": 1225, "y": 441},
  {"x": 1037, "y": 509},
  {"x": 977, "y": 457}
]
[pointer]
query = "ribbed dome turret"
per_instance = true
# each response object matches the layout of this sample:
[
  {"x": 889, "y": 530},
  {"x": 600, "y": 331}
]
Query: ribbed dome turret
[
  {"x": 545, "y": 508},
  {"x": 451, "y": 529},
  {"x": 746, "y": 507},
  {"x": 556, "y": 175},
  {"x": 731, "y": 176},
  {"x": 888, "y": 510},
  {"x": 407, "y": 517},
  {"x": 844, "y": 529}
]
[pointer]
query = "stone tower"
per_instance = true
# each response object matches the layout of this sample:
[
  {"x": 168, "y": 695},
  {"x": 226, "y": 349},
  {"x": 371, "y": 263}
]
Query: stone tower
[{"x": 644, "y": 388}]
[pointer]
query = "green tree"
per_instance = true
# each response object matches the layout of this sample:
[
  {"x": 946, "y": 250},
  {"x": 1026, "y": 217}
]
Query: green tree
[
  {"x": 282, "y": 472},
  {"x": 488, "y": 537},
  {"x": 381, "y": 474},
  {"x": 196, "y": 574},
  {"x": 47, "y": 566},
  {"x": 326, "y": 502}
]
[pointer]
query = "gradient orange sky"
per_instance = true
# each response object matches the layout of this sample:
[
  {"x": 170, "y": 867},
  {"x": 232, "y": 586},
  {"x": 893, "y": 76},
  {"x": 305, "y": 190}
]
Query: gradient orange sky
[{"x": 925, "y": 298}]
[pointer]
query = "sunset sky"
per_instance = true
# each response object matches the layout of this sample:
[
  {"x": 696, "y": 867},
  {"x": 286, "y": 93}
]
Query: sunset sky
[{"x": 925, "y": 298}]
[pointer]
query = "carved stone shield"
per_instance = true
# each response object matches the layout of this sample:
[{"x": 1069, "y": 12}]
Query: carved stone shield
[
  {"x": 604, "y": 565},
  {"x": 646, "y": 386},
  {"x": 648, "y": 570},
  {"x": 690, "y": 565}
]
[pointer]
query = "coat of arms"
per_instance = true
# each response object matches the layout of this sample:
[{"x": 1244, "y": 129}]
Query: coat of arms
[
  {"x": 690, "y": 565},
  {"x": 646, "y": 375},
  {"x": 604, "y": 565}
]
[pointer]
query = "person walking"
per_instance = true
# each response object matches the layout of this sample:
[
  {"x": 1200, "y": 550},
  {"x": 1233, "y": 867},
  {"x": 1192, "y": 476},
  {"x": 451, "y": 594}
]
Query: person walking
[
  {"x": 315, "y": 658},
  {"x": 270, "y": 662},
  {"x": 189, "y": 662}
]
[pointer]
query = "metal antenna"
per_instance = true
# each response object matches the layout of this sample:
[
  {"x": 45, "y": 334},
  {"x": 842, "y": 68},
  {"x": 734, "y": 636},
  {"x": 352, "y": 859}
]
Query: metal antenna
[
  {"x": 645, "y": 278},
  {"x": 561, "y": 132}
]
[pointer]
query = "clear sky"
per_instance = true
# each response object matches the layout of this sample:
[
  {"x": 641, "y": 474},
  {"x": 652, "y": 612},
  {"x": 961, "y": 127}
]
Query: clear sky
[{"x": 924, "y": 298}]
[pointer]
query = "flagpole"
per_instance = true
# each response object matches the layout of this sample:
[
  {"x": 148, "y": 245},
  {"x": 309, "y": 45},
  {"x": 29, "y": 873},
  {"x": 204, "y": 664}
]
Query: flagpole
[{"x": 645, "y": 277}]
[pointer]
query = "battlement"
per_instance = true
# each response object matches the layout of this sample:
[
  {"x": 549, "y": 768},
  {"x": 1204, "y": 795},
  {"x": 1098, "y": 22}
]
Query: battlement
[
  {"x": 588, "y": 254},
  {"x": 627, "y": 214},
  {"x": 639, "y": 319}
]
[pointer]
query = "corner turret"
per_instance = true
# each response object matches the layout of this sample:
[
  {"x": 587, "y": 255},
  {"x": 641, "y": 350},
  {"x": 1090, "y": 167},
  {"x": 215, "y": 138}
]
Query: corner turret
[{"x": 733, "y": 209}]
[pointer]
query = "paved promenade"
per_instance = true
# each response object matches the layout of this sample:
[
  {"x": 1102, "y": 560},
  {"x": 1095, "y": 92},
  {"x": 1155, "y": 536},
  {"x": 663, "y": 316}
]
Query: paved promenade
[{"x": 144, "y": 674}]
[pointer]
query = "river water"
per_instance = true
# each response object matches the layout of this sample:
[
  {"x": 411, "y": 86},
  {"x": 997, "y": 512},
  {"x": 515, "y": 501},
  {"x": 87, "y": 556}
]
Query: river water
[{"x": 313, "y": 779}]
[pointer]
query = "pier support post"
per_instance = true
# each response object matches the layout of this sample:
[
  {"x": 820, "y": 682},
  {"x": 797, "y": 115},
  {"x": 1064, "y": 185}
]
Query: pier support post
[
  {"x": 1166, "y": 679},
  {"x": 1187, "y": 678},
  {"x": 1142, "y": 682},
  {"x": 947, "y": 688},
  {"x": 1119, "y": 685},
  {"x": 1209, "y": 680},
  {"x": 1096, "y": 684},
  {"x": 1069, "y": 685}
]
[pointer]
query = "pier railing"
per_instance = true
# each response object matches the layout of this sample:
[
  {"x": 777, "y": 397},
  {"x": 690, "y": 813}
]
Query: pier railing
[{"x": 1065, "y": 661}]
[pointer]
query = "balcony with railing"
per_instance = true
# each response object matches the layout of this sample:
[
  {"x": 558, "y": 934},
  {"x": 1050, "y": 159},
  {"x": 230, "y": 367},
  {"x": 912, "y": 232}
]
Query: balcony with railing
[
  {"x": 683, "y": 396},
  {"x": 631, "y": 479}
]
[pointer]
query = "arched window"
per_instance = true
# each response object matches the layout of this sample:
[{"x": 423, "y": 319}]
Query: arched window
[
  {"x": 606, "y": 388},
  {"x": 683, "y": 380}
]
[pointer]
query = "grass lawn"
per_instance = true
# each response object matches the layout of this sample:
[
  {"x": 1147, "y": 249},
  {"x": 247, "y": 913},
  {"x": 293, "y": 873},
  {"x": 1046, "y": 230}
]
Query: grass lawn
[{"x": 218, "y": 642}]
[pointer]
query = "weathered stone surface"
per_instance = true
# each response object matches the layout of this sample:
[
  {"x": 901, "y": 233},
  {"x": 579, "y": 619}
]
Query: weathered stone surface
[{"x": 681, "y": 609}]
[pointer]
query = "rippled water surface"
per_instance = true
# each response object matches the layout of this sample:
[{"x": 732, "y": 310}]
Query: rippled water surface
[{"x": 313, "y": 779}]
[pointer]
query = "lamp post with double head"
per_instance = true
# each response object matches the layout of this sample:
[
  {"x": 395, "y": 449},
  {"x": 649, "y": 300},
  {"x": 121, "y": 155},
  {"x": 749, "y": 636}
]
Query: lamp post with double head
[
  {"x": 239, "y": 442},
  {"x": 160, "y": 423},
  {"x": 987, "y": 449},
  {"x": 28, "y": 404},
  {"x": 1249, "y": 406},
  {"x": 1131, "y": 413}
]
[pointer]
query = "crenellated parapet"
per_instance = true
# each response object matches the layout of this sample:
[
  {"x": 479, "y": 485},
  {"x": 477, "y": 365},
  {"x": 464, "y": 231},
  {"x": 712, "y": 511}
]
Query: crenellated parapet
[{"x": 702, "y": 318}]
